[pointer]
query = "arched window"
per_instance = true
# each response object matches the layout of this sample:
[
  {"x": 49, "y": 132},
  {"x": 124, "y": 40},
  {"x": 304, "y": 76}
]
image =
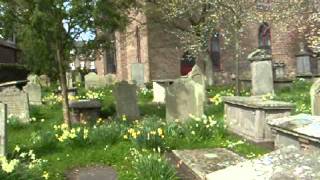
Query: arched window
[
  {"x": 187, "y": 63},
  {"x": 214, "y": 50},
  {"x": 264, "y": 36}
]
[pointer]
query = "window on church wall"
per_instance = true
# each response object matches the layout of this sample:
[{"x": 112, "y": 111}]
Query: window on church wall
[
  {"x": 215, "y": 51},
  {"x": 264, "y": 36},
  {"x": 110, "y": 56},
  {"x": 138, "y": 39}
]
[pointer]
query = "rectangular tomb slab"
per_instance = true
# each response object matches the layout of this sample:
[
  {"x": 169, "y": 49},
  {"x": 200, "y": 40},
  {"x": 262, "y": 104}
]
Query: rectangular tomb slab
[
  {"x": 248, "y": 116},
  {"x": 285, "y": 163},
  {"x": 205, "y": 161},
  {"x": 302, "y": 130}
]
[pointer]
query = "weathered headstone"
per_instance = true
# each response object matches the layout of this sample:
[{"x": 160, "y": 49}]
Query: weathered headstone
[
  {"x": 3, "y": 129},
  {"x": 279, "y": 70},
  {"x": 126, "y": 100},
  {"x": 44, "y": 80},
  {"x": 34, "y": 93},
  {"x": 197, "y": 75},
  {"x": 110, "y": 79},
  {"x": 17, "y": 103},
  {"x": 315, "y": 98},
  {"x": 208, "y": 71},
  {"x": 303, "y": 62},
  {"x": 137, "y": 73},
  {"x": 261, "y": 71},
  {"x": 288, "y": 163},
  {"x": 69, "y": 79},
  {"x": 184, "y": 97},
  {"x": 32, "y": 78},
  {"x": 92, "y": 80},
  {"x": 159, "y": 92}
]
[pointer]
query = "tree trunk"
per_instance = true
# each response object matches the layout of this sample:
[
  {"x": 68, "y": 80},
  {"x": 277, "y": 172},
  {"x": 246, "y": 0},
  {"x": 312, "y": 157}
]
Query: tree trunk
[
  {"x": 64, "y": 88},
  {"x": 237, "y": 57}
]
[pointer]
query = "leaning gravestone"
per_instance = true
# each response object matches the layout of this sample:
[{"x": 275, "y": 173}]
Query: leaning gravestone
[
  {"x": 17, "y": 103},
  {"x": 92, "y": 80},
  {"x": 32, "y": 78},
  {"x": 126, "y": 100},
  {"x": 3, "y": 129},
  {"x": 137, "y": 73},
  {"x": 184, "y": 97},
  {"x": 34, "y": 93},
  {"x": 315, "y": 98}
]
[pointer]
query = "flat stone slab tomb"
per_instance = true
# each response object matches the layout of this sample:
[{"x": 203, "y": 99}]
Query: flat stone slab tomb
[
  {"x": 247, "y": 116},
  {"x": 302, "y": 131},
  {"x": 93, "y": 173},
  {"x": 201, "y": 162},
  {"x": 283, "y": 164}
]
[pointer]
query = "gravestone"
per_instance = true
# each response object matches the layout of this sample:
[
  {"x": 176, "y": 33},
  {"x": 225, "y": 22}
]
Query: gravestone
[
  {"x": 208, "y": 71},
  {"x": 110, "y": 79},
  {"x": 288, "y": 163},
  {"x": 69, "y": 79},
  {"x": 32, "y": 78},
  {"x": 92, "y": 80},
  {"x": 315, "y": 98},
  {"x": 17, "y": 103},
  {"x": 44, "y": 81},
  {"x": 279, "y": 70},
  {"x": 303, "y": 62},
  {"x": 159, "y": 92},
  {"x": 3, "y": 129},
  {"x": 197, "y": 75},
  {"x": 301, "y": 131},
  {"x": 261, "y": 71},
  {"x": 137, "y": 74},
  {"x": 184, "y": 97},
  {"x": 126, "y": 100},
  {"x": 34, "y": 93}
]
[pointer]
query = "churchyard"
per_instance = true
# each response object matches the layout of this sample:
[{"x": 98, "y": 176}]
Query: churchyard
[{"x": 130, "y": 136}]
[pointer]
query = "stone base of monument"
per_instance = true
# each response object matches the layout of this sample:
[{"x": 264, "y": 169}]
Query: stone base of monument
[
  {"x": 285, "y": 163},
  {"x": 198, "y": 163},
  {"x": 248, "y": 116},
  {"x": 302, "y": 131},
  {"x": 84, "y": 110}
]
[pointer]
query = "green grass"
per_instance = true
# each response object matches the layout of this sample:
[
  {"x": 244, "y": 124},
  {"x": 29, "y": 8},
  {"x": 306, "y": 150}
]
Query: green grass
[{"x": 65, "y": 157}]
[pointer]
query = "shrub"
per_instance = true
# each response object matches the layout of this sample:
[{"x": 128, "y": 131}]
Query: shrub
[
  {"x": 152, "y": 166},
  {"x": 108, "y": 133},
  {"x": 44, "y": 140},
  {"x": 149, "y": 133},
  {"x": 22, "y": 166}
]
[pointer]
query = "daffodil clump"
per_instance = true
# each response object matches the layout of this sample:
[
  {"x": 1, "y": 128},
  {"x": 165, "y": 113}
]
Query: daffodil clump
[
  {"x": 199, "y": 129},
  {"x": 76, "y": 136},
  {"x": 217, "y": 99},
  {"x": 52, "y": 99},
  {"x": 147, "y": 133},
  {"x": 151, "y": 165},
  {"x": 23, "y": 165}
]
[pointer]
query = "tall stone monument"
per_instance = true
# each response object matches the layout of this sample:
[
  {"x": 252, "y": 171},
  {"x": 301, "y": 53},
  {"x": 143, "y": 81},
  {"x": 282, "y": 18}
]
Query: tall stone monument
[
  {"x": 126, "y": 100},
  {"x": 261, "y": 71},
  {"x": 3, "y": 129}
]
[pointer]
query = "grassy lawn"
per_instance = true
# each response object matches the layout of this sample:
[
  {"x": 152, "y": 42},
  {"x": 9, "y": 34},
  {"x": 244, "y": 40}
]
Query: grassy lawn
[{"x": 114, "y": 144}]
